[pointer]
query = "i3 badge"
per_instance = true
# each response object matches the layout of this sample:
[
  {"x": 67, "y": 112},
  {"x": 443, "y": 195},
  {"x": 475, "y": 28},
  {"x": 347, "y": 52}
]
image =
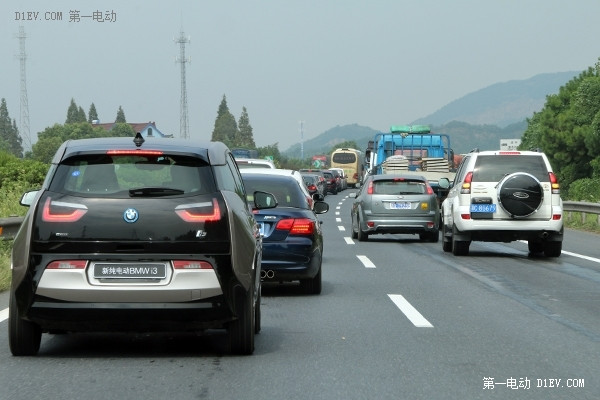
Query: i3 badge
[{"x": 130, "y": 215}]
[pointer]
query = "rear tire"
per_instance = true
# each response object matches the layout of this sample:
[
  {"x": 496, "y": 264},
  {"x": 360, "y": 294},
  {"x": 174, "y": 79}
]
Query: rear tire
[
  {"x": 362, "y": 235},
  {"x": 535, "y": 247},
  {"x": 354, "y": 234},
  {"x": 24, "y": 337},
  {"x": 241, "y": 331},
  {"x": 446, "y": 242},
  {"x": 257, "y": 315},
  {"x": 459, "y": 247},
  {"x": 312, "y": 285},
  {"x": 552, "y": 249}
]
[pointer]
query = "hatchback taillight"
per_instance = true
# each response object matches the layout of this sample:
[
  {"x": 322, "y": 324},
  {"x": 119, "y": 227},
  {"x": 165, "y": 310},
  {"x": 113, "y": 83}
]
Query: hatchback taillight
[
  {"x": 191, "y": 264},
  {"x": 199, "y": 212},
  {"x": 296, "y": 226},
  {"x": 370, "y": 188},
  {"x": 67, "y": 264},
  {"x": 59, "y": 211}
]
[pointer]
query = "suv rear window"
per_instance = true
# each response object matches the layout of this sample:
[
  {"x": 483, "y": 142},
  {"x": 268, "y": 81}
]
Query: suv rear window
[
  {"x": 114, "y": 176},
  {"x": 495, "y": 167}
]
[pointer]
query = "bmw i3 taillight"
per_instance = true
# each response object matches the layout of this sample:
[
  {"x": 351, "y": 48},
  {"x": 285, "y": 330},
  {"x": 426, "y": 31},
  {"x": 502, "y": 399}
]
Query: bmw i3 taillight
[
  {"x": 67, "y": 264},
  {"x": 199, "y": 212},
  {"x": 60, "y": 211}
]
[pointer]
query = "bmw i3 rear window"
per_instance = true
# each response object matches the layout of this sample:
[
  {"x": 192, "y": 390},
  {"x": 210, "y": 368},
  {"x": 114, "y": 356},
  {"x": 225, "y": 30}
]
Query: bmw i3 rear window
[
  {"x": 494, "y": 168},
  {"x": 103, "y": 175}
]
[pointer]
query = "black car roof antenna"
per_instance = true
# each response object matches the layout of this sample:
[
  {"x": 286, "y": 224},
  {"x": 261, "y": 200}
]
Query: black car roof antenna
[{"x": 138, "y": 139}]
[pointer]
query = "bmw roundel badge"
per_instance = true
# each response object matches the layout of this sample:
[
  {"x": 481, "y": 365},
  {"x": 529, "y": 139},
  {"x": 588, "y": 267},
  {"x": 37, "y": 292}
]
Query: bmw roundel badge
[{"x": 130, "y": 215}]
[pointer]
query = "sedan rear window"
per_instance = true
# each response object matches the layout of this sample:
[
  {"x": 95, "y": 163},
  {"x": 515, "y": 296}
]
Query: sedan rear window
[
  {"x": 125, "y": 176},
  {"x": 286, "y": 191}
]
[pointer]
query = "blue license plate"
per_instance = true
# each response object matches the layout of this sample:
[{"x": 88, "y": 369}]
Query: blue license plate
[{"x": 483, "y": 208}]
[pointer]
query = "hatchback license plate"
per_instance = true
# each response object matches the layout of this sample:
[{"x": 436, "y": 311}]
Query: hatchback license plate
[
  {"x": 483, "y": 208},
  {"x": 402, "y": 205},
  {"x": 130, "y": 271}
]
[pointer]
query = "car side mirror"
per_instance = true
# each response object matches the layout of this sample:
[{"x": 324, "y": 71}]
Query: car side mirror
[
  {"x": 28, "y": 198},
  {"x": 320, "y": 207},
  {"x": 264, "y": 200},
  {"x": 444, "y": 183}
]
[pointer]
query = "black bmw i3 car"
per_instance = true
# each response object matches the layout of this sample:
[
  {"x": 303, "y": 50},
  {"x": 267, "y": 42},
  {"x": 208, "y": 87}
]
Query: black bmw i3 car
[{"x": 138, "y": 236}]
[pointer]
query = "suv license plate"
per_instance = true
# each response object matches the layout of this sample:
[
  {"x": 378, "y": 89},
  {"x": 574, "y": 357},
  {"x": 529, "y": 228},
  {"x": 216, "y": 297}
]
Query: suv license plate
[
  {"x": 483, "y": 208},
  {"x": 130, "y": 271}
]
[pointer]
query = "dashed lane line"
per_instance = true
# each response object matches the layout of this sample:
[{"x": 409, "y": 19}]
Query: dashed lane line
[
  {"x": 3, "y": 314},
  {"x": 366, "y": 262},
  {"x": 348, "y": 240},
  {"x": 410, "y": 312}
]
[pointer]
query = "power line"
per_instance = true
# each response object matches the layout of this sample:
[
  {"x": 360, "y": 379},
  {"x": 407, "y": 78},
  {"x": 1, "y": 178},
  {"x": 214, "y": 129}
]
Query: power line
[{"x": 183, "y": 117}]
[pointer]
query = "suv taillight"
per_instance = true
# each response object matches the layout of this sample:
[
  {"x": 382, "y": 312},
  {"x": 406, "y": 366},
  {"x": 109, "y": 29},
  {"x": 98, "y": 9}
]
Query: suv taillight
[
  {"x": 466, "y": 186},
  {"x": 554, "y": 183}
]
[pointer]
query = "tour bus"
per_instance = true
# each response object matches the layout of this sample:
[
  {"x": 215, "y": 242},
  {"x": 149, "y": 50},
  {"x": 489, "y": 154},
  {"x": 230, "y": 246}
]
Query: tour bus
[{"x": 350, "y": 160}]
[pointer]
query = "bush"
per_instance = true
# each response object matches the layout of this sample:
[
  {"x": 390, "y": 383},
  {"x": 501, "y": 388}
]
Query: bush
[
  {"x": 5, "y": 247},
  {"x": 586, "y": 189}
]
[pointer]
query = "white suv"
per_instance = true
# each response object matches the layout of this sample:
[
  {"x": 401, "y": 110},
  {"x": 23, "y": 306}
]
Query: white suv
[{"x": 502, "y": 196}]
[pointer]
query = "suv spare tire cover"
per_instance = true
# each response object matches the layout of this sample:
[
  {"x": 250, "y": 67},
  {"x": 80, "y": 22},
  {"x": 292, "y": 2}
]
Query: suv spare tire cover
[{"x": 520, "y": 194}]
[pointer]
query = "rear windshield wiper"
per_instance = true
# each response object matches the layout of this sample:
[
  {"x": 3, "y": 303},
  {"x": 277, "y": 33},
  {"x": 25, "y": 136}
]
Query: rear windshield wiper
[{"x": 154, "y": 191}]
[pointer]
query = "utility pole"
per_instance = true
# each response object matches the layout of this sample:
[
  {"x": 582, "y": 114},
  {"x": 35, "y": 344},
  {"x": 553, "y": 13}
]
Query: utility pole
[
  {"x": 302, "y": 140},
  {"x": 183, "y": 117},
  {"x": 24, "y": 114}
]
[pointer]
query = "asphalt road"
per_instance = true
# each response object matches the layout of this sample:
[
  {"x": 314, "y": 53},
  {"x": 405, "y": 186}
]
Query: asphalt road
[{"x": 397, "y": 319}]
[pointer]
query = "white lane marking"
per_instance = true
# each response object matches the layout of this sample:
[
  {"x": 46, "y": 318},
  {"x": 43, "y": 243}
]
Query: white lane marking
[
  {"x": 341, "y": 228},
  {"x": 338, "y": 220},
  {"x": 593, "y": 259},
  {"x": 337, "y": 213},
  {"x": 366, "y": 262},
  {"x": 338, "y": 207},
  {"x": 3, "y": 314},
  {"x": 581, "y": 256},
  {"x": 348, "y": 240},
  {"x": 340, "y": 203},
  {"x": 411, "y": 313}
]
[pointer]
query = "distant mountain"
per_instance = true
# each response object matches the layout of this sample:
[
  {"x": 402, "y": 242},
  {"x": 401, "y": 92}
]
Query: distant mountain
[
  {"x": 501, "y": 104},
  {"x": 479, "y": 119}
]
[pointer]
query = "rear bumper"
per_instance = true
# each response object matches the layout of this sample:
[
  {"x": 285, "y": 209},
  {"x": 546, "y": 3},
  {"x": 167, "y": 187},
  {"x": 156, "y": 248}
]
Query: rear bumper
[
  {"x": 130, "y": 317},
  {"x": 418, "y": 224},
  {"x": 290, "y": 262}
]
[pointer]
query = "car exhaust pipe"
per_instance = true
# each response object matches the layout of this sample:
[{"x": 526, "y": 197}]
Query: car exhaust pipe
[
  {"x": 269, "y": 274},
  {"x": 545, "y": 235}
]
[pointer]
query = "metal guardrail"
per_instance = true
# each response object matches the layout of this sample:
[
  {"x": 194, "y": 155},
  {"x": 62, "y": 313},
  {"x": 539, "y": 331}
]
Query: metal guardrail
[
  {"x": 10, "y": 226},
  {"x": 582, "y": 207}
]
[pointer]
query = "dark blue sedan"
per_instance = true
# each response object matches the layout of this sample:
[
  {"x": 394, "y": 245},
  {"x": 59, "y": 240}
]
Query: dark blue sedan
[{"x": 292, "y": 236}]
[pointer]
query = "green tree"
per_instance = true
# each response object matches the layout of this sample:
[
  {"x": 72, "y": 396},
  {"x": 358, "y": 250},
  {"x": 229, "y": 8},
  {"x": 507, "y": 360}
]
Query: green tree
[
  {"x": 92, "y": 114},
  {"x": 225, "y": 129},
  {"x": 348, "y": 144},
  {"x": 120, "y": 115},
  {"x": 52, "y": 137},
  {"x": 245, "y": 137},
  {"x": 567, "y": 129},
  {"x": 10, "y": 140},
  {"x": 74, "y": 113}
]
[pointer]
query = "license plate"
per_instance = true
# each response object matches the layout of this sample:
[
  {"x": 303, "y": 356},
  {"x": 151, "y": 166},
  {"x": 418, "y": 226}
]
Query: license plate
[
  {"x": 401, "y": 205},
  {"x": 483, "y": 208},
  {"x": 261, "y": 229},
  {"x": 130, "y": 271}
]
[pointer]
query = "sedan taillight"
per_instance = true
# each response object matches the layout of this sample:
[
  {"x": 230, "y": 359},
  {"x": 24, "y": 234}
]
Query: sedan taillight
[{"x": 296, "y": 226}]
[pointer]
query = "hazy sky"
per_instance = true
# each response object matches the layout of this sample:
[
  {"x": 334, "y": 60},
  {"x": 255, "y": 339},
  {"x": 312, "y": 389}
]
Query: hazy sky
[{"x": 327, "y": 63}]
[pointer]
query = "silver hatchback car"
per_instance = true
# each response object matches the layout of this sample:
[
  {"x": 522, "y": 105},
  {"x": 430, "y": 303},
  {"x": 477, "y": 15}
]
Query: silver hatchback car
[{"x": 390, "y": 203}]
